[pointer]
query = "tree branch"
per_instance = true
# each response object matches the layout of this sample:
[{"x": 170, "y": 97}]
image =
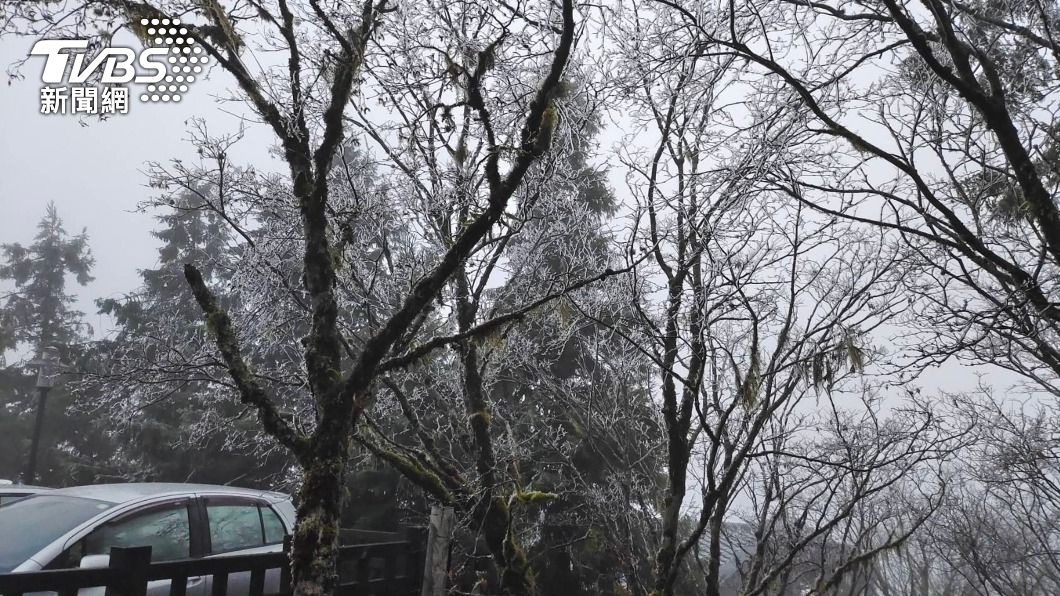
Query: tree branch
[{"x": 250, "y": 392}]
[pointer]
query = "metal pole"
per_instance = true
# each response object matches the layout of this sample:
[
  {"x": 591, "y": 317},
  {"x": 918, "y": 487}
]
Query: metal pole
[
  {"x": 48, "y": 368},
  {"x": 38, "y": 426}
]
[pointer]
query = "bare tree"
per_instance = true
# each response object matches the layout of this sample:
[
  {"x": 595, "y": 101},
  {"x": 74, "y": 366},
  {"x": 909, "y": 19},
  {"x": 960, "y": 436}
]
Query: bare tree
[
  {"x": 304, "y": 104},
  {"x": 935, "y": 124},
  {"x": 837, "y": 500},
  {"x": 748, "y": 306},
  {"x": 999, "y": 532},
  {"x": 461, "y": 437},
  {"x": 938, "y": 126}
]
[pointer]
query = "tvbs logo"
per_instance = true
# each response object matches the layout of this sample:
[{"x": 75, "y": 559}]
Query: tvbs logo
[
  {"x": 118, "y": 65},
  {"x": 171, "y": 62}
]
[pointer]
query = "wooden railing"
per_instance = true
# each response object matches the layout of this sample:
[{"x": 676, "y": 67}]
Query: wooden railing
[{"x": 378, "y": 569}]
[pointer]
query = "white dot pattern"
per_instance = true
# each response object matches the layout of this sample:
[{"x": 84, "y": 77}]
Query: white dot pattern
[{"x": 183, "y": 49}]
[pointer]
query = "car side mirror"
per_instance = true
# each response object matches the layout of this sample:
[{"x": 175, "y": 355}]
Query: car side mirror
[{"x": 95, "y": 562}]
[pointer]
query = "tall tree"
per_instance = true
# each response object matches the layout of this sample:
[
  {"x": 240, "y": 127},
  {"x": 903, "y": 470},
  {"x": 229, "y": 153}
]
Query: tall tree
[
  {"x": 577, "y": 399},
  {"x": 148, "y": 377},
  {"x": 531, "y": 439},
  {"x": 756, "y": 315},
  {"x": 957, "y": 141},
  {"x": 304, "y": 104},
  {"x": 39, "y": 313},
  {"x": 953, "y": 153}
]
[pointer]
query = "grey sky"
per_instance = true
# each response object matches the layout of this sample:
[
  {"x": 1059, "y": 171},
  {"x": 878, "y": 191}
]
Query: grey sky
[{"x": 94, "y": 170}]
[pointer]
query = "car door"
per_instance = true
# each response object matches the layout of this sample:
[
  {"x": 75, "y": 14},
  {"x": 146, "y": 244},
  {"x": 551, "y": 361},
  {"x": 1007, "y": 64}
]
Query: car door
[
  {"x": 166, "y": 527},
  {"x": 242, "y": 526}
]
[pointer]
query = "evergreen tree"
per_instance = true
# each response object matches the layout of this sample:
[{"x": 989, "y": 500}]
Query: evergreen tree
[
  {"x": 39, "y": 312},
  {"x": 36, "y": 314},
  {"x": 173, "y": 423},
  {"x": 575, "y": 377}
]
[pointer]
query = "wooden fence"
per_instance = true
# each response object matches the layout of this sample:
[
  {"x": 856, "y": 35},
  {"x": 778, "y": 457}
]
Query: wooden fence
[{"x": 378, "y": 569}]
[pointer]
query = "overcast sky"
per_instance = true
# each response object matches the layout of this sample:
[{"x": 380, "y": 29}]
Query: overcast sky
[{"x": 93, "y": 170}]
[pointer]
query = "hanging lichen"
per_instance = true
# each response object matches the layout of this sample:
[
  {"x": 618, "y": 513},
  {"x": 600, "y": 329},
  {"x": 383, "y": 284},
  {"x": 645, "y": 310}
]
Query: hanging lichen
[{"x": 223, "y": 32}]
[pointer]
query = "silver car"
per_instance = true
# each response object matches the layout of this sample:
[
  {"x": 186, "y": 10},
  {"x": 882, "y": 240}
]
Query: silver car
[
  {"x": 11, "y": 492},
  {"x": 77, "y": 526}
]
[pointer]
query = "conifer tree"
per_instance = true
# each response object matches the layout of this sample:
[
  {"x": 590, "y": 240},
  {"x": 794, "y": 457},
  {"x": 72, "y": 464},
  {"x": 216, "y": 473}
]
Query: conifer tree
[
  {"x": 38, "y": 313},
  {"x": 172, "y": 423}
]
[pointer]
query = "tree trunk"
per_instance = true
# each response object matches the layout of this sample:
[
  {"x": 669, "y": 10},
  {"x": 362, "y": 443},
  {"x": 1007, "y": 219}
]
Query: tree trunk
[
  {"x": 509, "y": 557},
  {"x": 713, "y": 587},
  {"x": 665, "y": 560},
  {"x": 315, "y": 546}
]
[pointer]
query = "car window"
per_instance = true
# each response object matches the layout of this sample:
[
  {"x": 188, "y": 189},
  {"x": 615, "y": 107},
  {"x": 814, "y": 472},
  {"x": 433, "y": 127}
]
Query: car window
[
  {"x": 274, "y": 530},
  {"x": 165, "y": 529},
  {"x": 234, "y": 526},
  {"x": 39, "y": 520}
]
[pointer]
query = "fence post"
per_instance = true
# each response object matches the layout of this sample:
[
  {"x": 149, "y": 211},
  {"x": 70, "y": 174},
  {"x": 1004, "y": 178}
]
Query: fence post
[
  {"x": 436, "y": 559},
  {"x": 131, "y": 565}
]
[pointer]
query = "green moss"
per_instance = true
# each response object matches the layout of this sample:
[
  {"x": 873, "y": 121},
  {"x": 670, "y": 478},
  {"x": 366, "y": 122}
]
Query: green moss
[
  {"x": 593, "y": 541},
  {"x": 415, "y": 472},
  {"x": 517, "y": 573},
  {"x": 535, "y": 496}
]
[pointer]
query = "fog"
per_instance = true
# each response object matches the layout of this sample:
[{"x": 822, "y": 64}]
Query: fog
[{"x": 93, "y": 169}]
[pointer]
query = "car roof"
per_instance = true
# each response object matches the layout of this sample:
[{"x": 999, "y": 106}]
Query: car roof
[
  {"x": 133, "y": 491},
  {"x": 22, "y": 488}
]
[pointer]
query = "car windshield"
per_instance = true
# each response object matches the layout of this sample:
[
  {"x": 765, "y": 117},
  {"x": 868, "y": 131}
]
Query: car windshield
[{"x": 28, "y": 525}]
